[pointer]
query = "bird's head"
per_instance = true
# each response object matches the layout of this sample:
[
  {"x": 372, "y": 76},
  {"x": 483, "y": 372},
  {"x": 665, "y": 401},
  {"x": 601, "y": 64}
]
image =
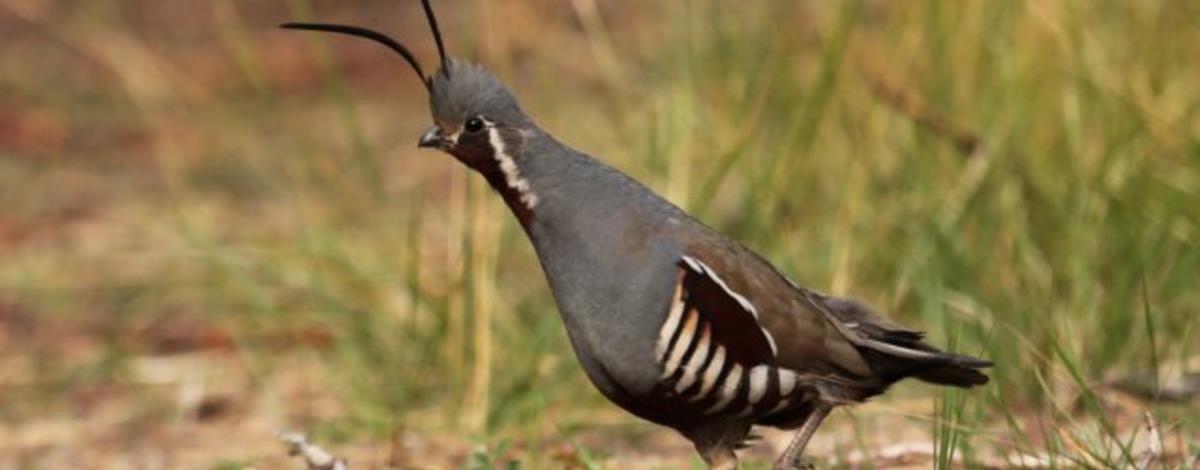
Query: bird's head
[
  {"x": 475, "y": 118},
  {"x": 474, "y": 115}
]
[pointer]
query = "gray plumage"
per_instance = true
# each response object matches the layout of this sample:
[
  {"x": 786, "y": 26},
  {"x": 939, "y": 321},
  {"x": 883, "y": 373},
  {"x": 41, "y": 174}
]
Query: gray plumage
[
  {"x": 671, "y": 320},
  {"x": 613, "y": 252},
  {"x": 465, "y": 89}
]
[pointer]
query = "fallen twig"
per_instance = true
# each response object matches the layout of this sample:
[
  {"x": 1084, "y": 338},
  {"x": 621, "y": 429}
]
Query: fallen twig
[
  {"x": 315, "y": 457},
  {"x": 1154, "y": 450},
  {"x": 967, "y": 142},
  {"x": 1177, "y": 388}
]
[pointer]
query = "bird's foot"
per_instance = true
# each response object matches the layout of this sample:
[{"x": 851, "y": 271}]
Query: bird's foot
[{"x": 800, "y": 463}]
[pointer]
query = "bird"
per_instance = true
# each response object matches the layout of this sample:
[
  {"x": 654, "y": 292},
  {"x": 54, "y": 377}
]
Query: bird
[{"x": 670, "y": 320}]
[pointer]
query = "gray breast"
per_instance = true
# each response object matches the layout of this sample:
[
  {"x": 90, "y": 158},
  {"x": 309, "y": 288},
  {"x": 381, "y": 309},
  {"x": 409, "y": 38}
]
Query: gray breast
[{"x": 612, "y": 274}]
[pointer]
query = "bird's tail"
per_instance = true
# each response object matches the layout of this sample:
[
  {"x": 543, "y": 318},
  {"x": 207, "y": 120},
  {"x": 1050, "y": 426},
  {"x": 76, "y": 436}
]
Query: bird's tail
[
  {"x": 893, "y": 362},
  {"x": 895, "y": 352},
  {"x": 958, "y": 370}
]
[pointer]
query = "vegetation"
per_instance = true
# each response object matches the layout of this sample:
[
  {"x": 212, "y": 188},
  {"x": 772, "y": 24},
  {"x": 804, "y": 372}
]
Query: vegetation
[{"x": 1018, "y": 178}]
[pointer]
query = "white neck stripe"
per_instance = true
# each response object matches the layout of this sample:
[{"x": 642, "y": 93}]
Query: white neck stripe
[{"x": 512, "y": 174}]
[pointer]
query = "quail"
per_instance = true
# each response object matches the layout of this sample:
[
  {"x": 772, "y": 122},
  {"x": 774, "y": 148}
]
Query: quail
[{"x": 672, "y": 321}]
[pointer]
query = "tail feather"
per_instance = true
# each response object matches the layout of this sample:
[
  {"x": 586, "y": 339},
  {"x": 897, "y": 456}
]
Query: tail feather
[
  {"x": 896, "y": 352},
  {"x": 957, "y": 370},
  {"x": 956, "y": 376},
  {"x": 938, "y": 368}
]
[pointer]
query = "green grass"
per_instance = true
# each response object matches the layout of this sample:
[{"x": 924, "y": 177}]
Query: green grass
[{"x": 1065, "y": 247}]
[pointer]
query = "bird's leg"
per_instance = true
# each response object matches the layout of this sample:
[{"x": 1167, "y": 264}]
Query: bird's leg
[
  {"x": 721, "y": 458},
  {"x": 790, "y": 460},
  {"x": 716, "y": 443}
]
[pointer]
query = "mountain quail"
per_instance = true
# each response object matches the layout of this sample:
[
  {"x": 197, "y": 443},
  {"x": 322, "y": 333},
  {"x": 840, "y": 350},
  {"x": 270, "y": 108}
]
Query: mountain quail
[{"x": 671, "y": 321}]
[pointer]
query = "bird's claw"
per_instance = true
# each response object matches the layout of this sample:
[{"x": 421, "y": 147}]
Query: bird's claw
[{"x": 798, "y": 464}]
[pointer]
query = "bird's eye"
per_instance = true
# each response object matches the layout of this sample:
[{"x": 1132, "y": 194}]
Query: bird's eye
[{"x": 474, "y": 124}]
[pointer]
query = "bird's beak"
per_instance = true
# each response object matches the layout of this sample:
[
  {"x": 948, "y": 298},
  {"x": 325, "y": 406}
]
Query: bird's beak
[{"x": 433, "y": 138}]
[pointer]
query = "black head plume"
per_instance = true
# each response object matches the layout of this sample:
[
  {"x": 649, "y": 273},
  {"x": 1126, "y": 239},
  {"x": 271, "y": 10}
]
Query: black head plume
[
  {"x": 387, "y": 41},
  {"x": 369, "y": 34},
  {"x": 437, "y": 35}
]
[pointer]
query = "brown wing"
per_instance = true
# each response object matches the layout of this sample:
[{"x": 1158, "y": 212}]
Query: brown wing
[
  {"x": 711, "y": 347},
  {"x": 717, "y": 353},
  {"x": 800, "y": 335},
  {"x": 732, "y": 318},
  {"x": 742, "y": 338}
]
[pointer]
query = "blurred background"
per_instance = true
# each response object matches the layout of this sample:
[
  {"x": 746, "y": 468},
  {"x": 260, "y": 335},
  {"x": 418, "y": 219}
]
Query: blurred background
[{"x": 212, "y": 229}]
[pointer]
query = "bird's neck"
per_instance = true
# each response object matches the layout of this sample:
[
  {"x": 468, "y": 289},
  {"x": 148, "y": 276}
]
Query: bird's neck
[
  {"x": 555, "y": 191},
  {"x": 514, "y": 188},
  {"x": 506, "y": 169}
]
